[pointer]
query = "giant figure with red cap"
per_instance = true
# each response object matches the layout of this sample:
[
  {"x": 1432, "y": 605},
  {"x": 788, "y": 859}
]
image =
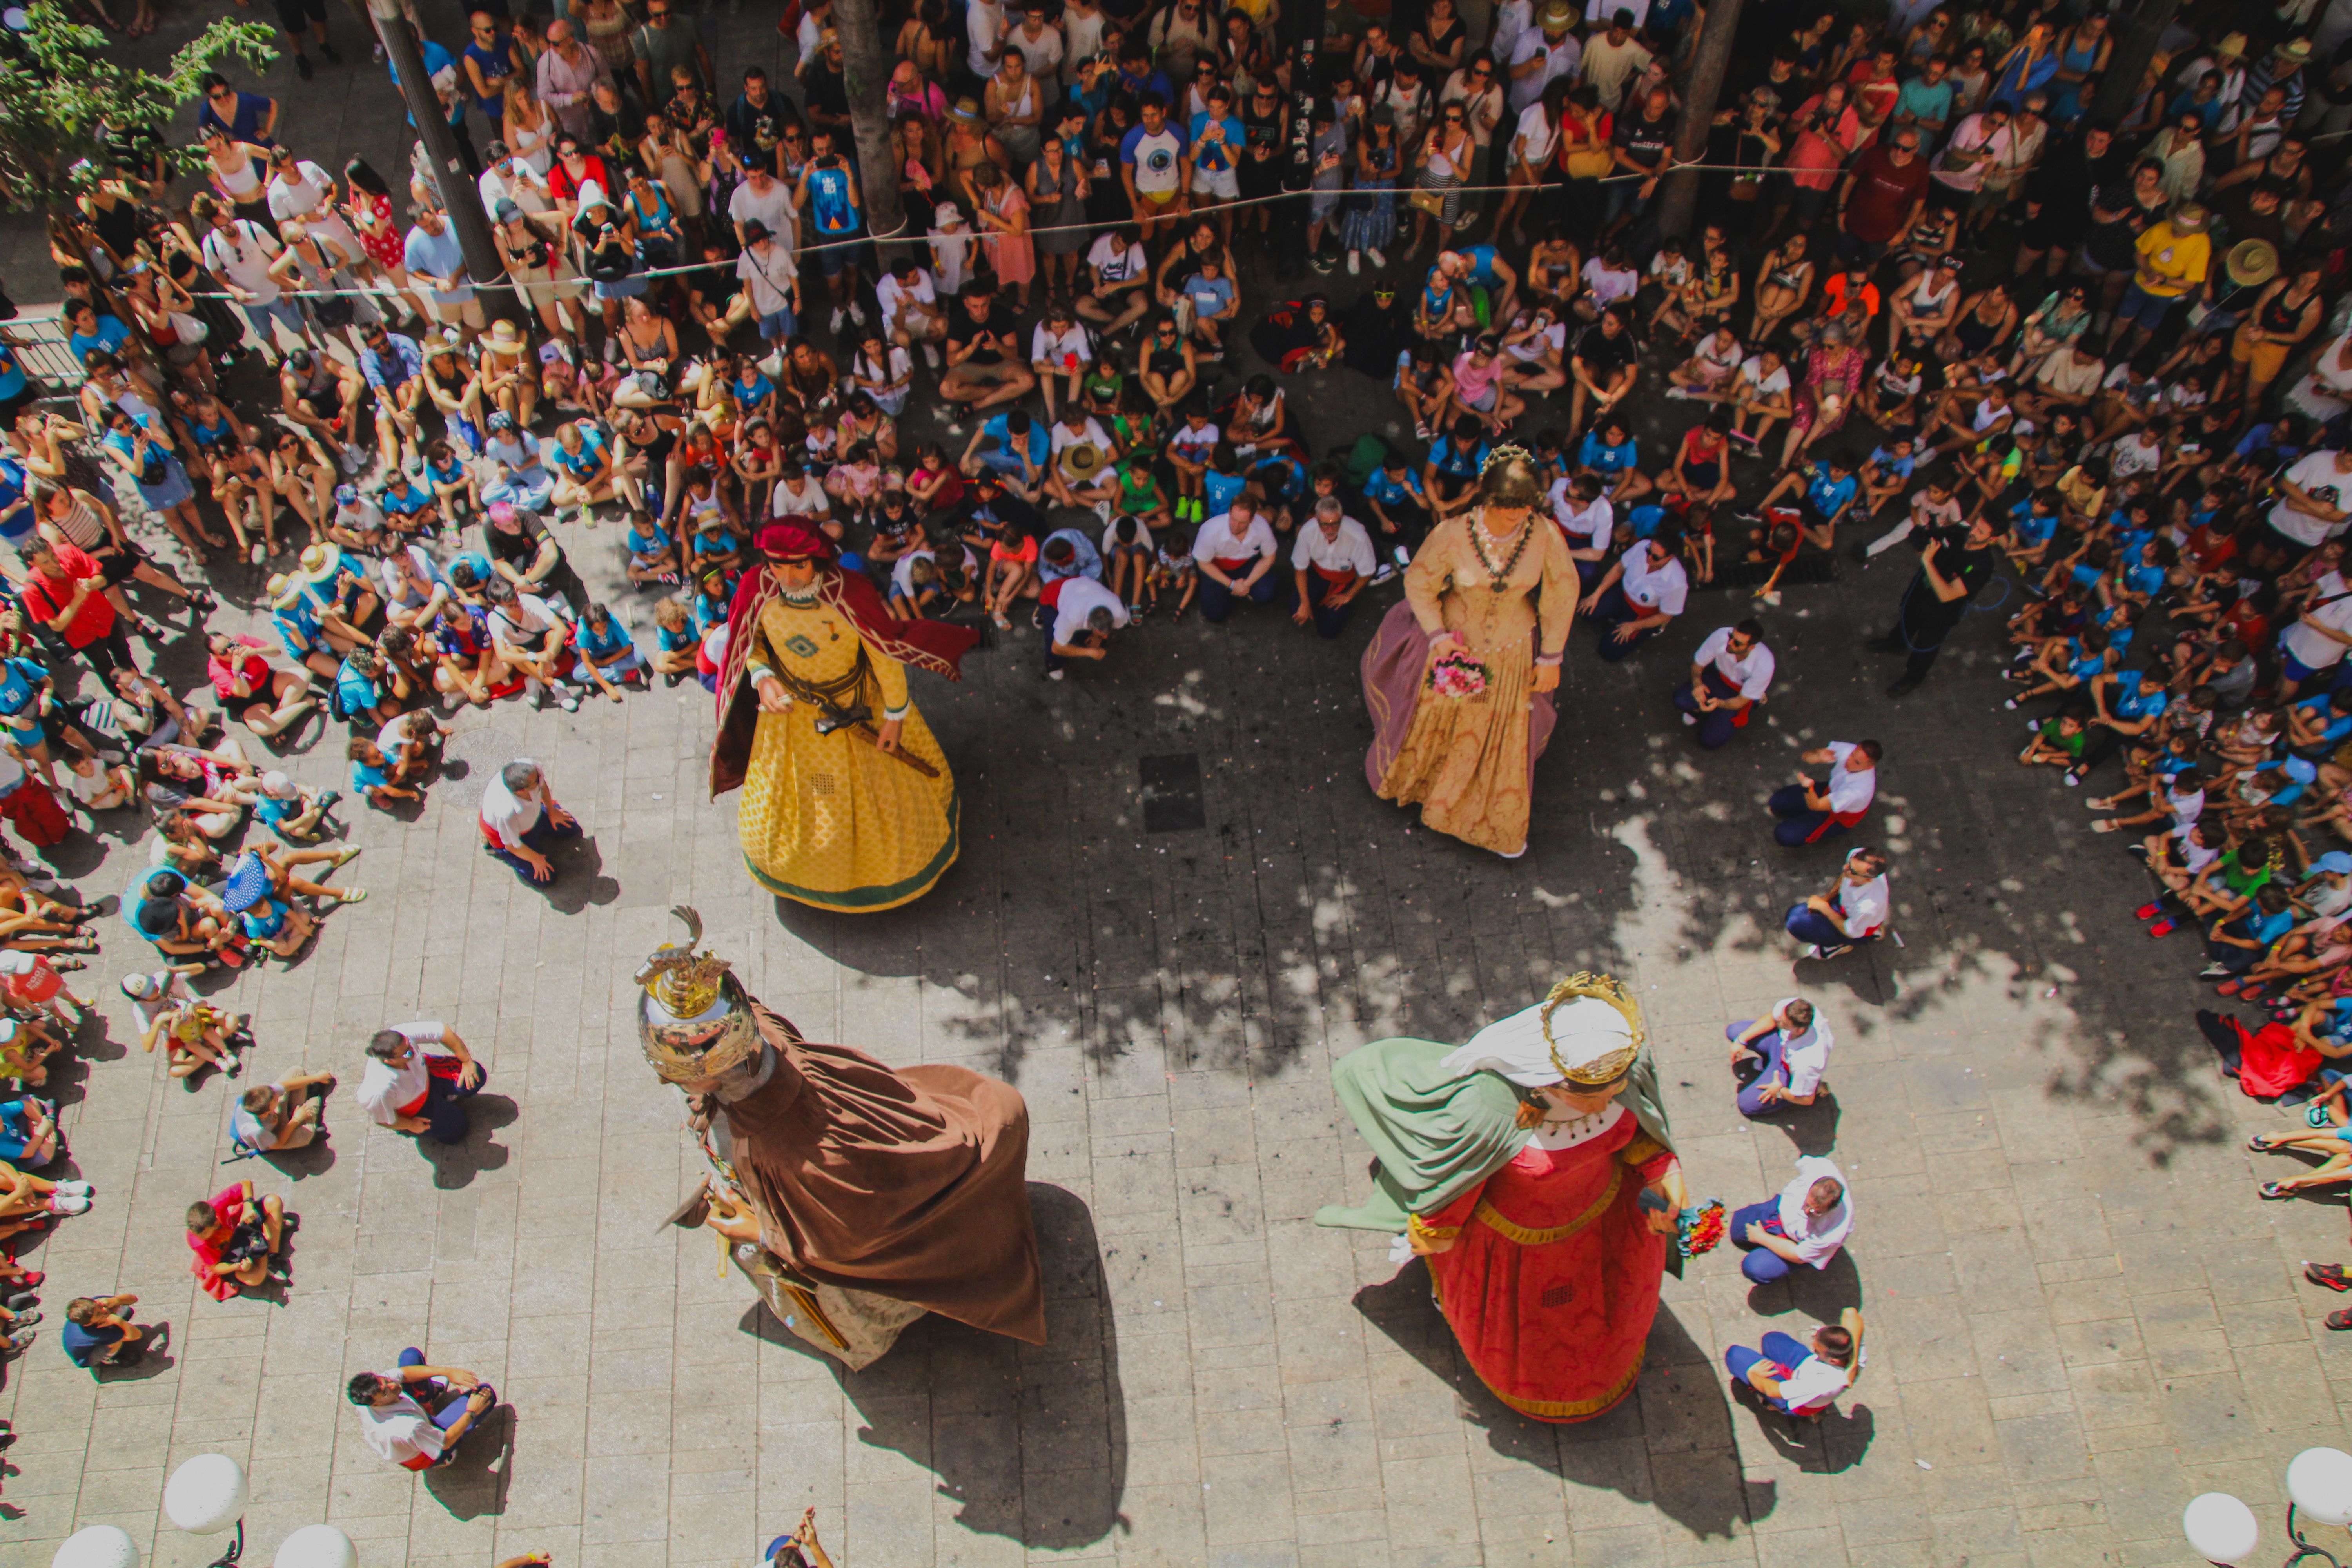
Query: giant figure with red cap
[{"x": 848, "y": 803}]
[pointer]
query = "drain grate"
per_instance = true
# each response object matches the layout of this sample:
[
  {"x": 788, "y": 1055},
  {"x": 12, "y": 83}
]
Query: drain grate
[{"x": 1171, "y": 793}]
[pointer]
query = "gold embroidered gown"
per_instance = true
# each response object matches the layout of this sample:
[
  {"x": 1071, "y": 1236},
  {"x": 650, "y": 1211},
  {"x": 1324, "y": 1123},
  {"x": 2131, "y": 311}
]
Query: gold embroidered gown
[
  {"x": 830, "y": 820},
  {"x": 1469, "y": 762}
]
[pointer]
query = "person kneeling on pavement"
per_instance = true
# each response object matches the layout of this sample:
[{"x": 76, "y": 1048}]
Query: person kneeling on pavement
[
  {"x": 239, "y": 1241},
  {"x": 415, "y": 1414},
  {"x": 1798, "y": 1379}
]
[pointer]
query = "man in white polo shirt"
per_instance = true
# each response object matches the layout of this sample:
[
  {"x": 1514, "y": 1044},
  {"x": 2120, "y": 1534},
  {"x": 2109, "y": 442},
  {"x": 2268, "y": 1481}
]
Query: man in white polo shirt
[
  {"x": 522, "y": 823},
  {"x": 1640, "y": 595},
  {"x": 417, "y": 1078},
  {"x": 1235, "y": 552},
  {"x": 1803, "y": 1226},
  {"x": 398, "y": 1427},
  {"x": 1330, "y": 564},
  {"x": 2313, "y": 501},
  {"x": 1852, "y": 912},
  {"x": 1779, "y": 1059},
  {"x": 1729, "y": 675},
  {"x": 1811, "y": 810}
]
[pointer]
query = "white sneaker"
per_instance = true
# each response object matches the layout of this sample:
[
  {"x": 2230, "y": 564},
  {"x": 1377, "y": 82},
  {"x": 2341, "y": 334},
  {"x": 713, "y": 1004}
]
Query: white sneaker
[
  {"x": 1690, "y": 718},
  {"x": 1378, "y": 260},
  {"x": 932, "y": 356},
  {"x": 838, "y": 317},
  {"x": 66, "y": 1203},
  {"x": 254, "y": 555},
  {"x": 857, "y": 313},
  {"x": 354, "y": 458},
  {"x": 1355, "y": 262},
  {"x": 1812, "y": 950},
  {"x": 74, "y": 1189},
  {"x": 535, "y": 691},
  {"x": 568, "y": 702},
  {"x": 1102, "y": 510},
  {"x": 1053, "y": 675},
  {"x": 1678, "y": 395}
]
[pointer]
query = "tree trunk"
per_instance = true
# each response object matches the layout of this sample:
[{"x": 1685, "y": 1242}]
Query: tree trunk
[
  {"x": 866, "y": 69},
  {"x": 2137, "y": 32},
  {"x": 461, "y": 198},
  {"x": 1708, "y": 67}
]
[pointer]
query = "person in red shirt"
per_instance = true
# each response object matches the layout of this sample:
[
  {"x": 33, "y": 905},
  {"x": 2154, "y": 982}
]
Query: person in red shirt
[
  {"x": 238, "y": 1240},
  {"x": 1883, "y": 194},
  {"x": 66, "y": 591},
  {"x": 575, "y": 167}
]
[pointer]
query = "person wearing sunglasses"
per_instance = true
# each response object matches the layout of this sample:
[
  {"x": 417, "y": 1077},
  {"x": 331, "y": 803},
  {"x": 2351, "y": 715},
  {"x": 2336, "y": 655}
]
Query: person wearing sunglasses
[{"x": 241, "y": 116}]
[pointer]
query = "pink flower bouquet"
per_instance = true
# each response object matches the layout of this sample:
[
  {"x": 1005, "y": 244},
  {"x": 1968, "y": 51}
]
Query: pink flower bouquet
[{"x": 1458, "y": 675}]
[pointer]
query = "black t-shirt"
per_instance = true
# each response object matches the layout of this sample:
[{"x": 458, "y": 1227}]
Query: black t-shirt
[
  {"x": 761, "y": 126},
  {"x": 518, "y": 549},
  {"x": 616, "y": 133},
  {"x": 1968, "y": 568},
  {"x": 1602, "y": 353},
  {"x": 715, "y": 283},
  {"x": 2113, "y": 244},
  {"x": 963, "y": 329},
  {"x": 825, "y": 90},
  {"x": 1646, "y": 142},
  {"x": 2063, "y": 184}
]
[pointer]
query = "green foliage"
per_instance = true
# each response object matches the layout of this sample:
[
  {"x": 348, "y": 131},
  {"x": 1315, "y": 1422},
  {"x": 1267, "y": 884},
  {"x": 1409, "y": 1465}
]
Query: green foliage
[{"x": 62, "y": 100}]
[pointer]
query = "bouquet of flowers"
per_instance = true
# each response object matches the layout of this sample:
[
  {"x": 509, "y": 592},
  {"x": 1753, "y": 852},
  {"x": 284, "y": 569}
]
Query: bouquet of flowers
[
  {"x": 1456, "y": 675},
  {"x": 1700, "y": 1228}
]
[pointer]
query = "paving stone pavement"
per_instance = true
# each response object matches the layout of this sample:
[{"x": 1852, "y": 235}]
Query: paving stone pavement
[{"x": 2080, "y": 1314}]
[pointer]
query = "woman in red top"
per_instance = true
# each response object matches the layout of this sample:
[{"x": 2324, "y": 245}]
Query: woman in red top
[
  {"x": 374, "y": 220},
  {"x": 1702, "y": 468},
  {"x": 266, "y": 700}
]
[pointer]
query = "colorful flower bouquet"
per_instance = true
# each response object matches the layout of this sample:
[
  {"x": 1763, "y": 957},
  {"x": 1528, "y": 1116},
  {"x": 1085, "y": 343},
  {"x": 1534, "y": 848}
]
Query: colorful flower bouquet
[
  {"x": 1700, "y": 1228},
  {"x": 1458, "y": 675}
]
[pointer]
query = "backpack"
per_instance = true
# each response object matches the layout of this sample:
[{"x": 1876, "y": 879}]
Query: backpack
[{"x": 1364, "y": 459}]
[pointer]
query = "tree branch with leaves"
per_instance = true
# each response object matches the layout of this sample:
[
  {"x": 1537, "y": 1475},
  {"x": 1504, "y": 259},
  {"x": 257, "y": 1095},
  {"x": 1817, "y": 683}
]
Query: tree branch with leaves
[{"x": 63, "y": 101}]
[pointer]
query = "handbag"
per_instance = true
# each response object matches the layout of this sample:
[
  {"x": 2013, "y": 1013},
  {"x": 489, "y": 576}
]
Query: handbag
[
  {"x": 189, "y": 330},
  {"x": 1587, "y": 163},
  {"x": 336, "y": 312},
  {"x": 1428, "y": 201}
]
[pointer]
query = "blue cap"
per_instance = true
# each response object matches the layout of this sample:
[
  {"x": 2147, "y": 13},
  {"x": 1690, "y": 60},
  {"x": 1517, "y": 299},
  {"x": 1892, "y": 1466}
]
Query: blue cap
[
  {"x": 347, "y": 495},
  {"x": 249, "y": 883},
  {"x": 2338, "y": 861}
]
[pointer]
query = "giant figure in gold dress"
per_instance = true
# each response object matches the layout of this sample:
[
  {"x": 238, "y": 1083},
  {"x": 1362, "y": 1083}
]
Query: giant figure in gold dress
[
  {"x": 1495, "y": 585},
  {"x": 848, "y": 803}
]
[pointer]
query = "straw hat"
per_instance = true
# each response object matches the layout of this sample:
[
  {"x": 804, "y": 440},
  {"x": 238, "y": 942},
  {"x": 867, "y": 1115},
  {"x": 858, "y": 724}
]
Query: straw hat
[
  {"x": 2232, "y": 46},
  {"x": 966, "y": 111},
  {"x": 2251, "y": 263},
  {"x": 504, "y": 336},
  {"x": 2189, "y": 218},
  {"x": 282, "y": 590},
  {"x": 2294, "y": 51},
  {"x": 1082, "y": 460},
  {"x": 321, "y": 562},
  {"x": 1557, "y": 16}
]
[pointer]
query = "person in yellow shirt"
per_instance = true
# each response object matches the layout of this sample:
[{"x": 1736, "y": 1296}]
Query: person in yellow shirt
[{"x": 2175, "y": 254}]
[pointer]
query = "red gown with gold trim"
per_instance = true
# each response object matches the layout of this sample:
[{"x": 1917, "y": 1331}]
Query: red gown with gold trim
[{"x": 1553, "y": 1280}]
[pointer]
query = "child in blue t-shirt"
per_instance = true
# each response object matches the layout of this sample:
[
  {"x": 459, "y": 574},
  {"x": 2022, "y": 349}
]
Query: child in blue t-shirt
[
  {"x": 653, "y": 554},
  {"x": 675, "y": 641},
  {"x": 606, "y": 647},
  {"x": 711, "y": 599},
  {"x": 371, "y": 775}
]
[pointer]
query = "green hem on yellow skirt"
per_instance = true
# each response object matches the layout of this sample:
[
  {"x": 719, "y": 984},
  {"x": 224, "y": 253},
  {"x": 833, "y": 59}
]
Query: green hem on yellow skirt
[{"x": 867, "y": 901}]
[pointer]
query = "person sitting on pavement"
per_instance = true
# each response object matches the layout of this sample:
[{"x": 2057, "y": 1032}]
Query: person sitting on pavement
[
  {"x": 1814, "y": 810},
  {"x": 1854, "y": 911},
  {"x": 1729, "y": 675},
  {"x": 1805, "y": 1224},
  {"x": 238, "y": 1240},
  {"x": 1780, "y": 1058},
  {"x": 97, "y": 1331},
  {"x": 1798, "y": 1379},
  {"x": 417, "y": 1079},
  {"x": 415, "y": 1414}
]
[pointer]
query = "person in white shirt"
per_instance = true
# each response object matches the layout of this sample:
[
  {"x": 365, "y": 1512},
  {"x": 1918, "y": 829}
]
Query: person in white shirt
[
  {"x": 910, "y": 308},
  {"x": 1811, "y": 810},
  {"x": 1543, "y": 54},
  {"x": 1085, "y": 614},
  {"x": 1804, "y": 1224},
  {"x": 773, "y": 282},
  {"x": 767, "y": 201},
  {"x": 1235, "y": 552},
  {"x": 1331, "y": 562},
  {"x": 238, "y": 251},
  {"x": 2311, "y": 507},
  {"x": 400, "y": 1429},
  {"x": 507, "y": 178},
  {"x": 1796, "y": 1378},
  {"x": 1076, "y": 427},
  {"x": 301, "y": 191},
  {"x": 1779, "y": 1059},
  {"x": 1640, "y": 595},
  {"x": 1059, "y": 346},
  {"x": 1121, "y": 267},
  {"x": 1586, "y": 516},
  {"x": 521, "y": 822},
  {"x": 2315, "y": 642},
  {"x": 984, "y": 30},
  {"x": 1729, "y": 675},
  {"x": 1852, "y": 912},
  {"x": 417, "y": 1079}
]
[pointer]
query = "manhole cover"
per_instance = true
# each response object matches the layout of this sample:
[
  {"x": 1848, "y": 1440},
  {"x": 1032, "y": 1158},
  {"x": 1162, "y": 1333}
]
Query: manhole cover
[{"x": 483, "y": 753}]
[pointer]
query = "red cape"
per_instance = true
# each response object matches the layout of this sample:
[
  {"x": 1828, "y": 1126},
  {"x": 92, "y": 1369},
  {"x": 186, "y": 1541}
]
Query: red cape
[{"x": 934, "y": 645}]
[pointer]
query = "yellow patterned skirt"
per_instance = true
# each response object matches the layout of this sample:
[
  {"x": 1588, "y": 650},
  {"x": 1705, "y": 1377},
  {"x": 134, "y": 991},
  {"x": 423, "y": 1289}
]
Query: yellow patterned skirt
[{"x": 830, "y": 821}]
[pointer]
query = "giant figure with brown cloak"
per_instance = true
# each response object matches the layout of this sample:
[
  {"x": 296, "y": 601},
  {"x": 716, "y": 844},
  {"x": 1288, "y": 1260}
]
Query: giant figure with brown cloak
[{"x": 853, "y": 1196}]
